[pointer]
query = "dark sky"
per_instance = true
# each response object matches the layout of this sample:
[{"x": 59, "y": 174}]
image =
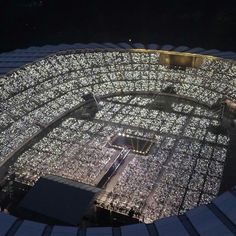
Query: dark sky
[{"x": 199, "y": 23}]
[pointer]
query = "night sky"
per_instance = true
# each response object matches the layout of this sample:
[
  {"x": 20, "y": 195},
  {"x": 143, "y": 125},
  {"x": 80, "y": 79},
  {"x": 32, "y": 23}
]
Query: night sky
[{"x": 25, "y": 23}]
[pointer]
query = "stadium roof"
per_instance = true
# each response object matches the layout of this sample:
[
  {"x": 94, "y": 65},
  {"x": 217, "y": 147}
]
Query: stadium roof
[
  {"x": 216, "y": 218},
  {"x": 19, "y": 57}
]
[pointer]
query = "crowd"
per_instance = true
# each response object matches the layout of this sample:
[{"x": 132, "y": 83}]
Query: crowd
[
  {"x": 181, "y": 172},
  {"x": 72, "y": 150},
  {"x": 43, "y": 90},
  {"x": 188, "y": 160},
  {"x": 133, "y": 189}
]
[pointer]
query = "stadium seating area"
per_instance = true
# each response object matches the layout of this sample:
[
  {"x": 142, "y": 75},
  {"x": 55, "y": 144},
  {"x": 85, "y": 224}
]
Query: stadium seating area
[
  {"x": 183, "y": 170},
  {"x": 45, "y": 89}
]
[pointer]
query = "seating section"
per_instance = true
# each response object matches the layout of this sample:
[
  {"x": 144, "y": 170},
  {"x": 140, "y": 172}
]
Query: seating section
[
  {"x": 180, "y": 173},
  {"x": 188, "y": 160},
  {"x": 42, "y": 91}
]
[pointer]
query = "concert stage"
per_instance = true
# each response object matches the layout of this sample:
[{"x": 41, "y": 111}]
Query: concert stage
[{"x": 136, "y": 144}]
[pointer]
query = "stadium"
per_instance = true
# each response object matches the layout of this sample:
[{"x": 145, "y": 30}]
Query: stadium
[{"x": 117, "y": 139}]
